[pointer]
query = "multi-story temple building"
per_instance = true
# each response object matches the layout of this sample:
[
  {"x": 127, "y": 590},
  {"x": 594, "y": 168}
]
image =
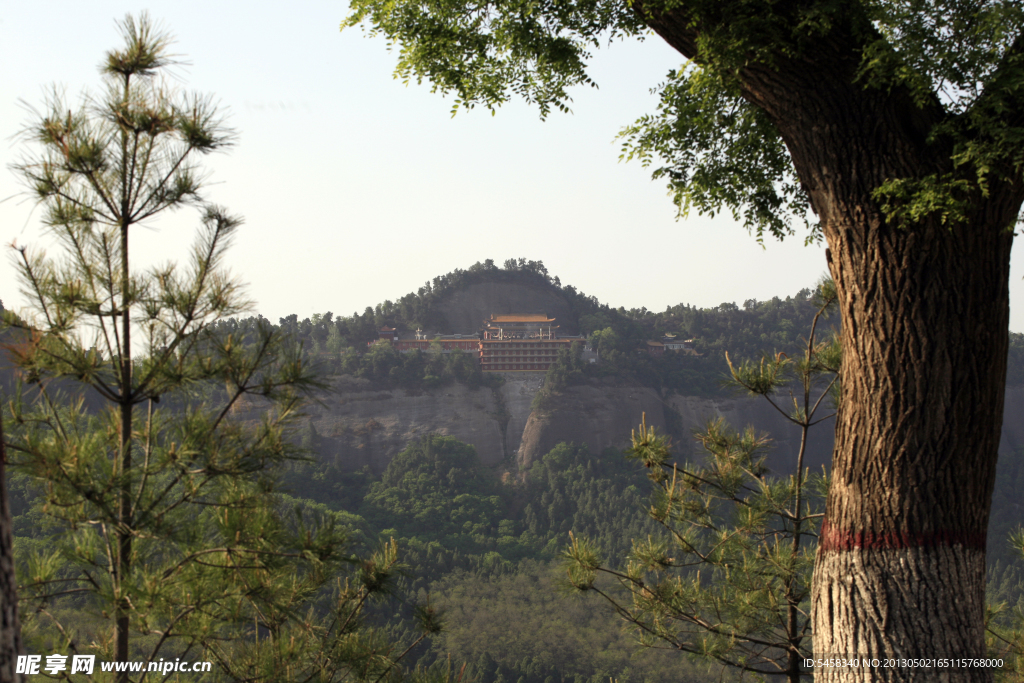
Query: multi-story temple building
[
  {"x": 528, "y": 326},
  {"x": 520, "y": 343},
  {"x": 506, "y": 343}
]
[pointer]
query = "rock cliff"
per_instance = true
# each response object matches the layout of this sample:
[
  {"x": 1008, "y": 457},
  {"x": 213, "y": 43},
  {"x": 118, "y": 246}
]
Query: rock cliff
[
  {"x": 362, "y": 425},
  {"x": 599, "y": 413}
]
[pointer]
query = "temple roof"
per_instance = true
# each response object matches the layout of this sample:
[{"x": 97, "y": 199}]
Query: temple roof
[{"x": 521, "y": 318}]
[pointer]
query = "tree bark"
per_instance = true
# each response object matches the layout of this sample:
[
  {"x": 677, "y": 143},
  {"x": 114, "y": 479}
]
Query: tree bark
[
  {"x": 125, "y": 531},
  {"x": 900, "y": 570},
  {"x": 10, "y": 628},
  {"x": 901, "y": 561}
]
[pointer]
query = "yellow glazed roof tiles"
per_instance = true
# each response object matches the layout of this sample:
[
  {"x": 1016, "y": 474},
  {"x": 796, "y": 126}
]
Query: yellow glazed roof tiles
[{"x": 521, "y": 318}]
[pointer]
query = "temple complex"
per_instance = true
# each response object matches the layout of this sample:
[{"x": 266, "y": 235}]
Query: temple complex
[
  {"x": 520, "y": 355},
  {"x": 520, "y": 326},
  {"x": 505, "y": 343},
  {"x": 520, "y": 343},
  {"x": 517, "y": 342}
]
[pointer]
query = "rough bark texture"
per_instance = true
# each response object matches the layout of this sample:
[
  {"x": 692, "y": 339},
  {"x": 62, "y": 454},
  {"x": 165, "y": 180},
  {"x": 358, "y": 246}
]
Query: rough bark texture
[
  {"x": 10, "y": 628},
  {"x": 925, "y": 311}
]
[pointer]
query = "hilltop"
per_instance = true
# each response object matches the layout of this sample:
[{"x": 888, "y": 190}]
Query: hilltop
[
  {"x": 459, "y": 301},
  {"x": 479, "y": 476}
]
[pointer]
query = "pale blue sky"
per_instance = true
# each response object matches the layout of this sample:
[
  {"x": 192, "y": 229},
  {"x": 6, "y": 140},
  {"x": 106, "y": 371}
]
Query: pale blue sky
[{"x": 356, "y": 188}]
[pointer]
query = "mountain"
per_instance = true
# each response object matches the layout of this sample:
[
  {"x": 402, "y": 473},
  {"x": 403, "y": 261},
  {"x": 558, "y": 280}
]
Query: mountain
[{"x": 514, "y": 461}]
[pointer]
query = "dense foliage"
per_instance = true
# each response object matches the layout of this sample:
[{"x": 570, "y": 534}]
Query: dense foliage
[
  {"x": 340, "y": 344},
  {"x": 484, "y": 549},
  {"x": 477, "y": 543}
]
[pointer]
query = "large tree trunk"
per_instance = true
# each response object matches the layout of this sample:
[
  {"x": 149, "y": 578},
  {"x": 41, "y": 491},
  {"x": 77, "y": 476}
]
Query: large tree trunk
[
  {"x": 901, "y": 562},
  {"x": 925, "y": 312},
  {"x": 900, "y": 571},
  {"x": 10, "y": 628}
]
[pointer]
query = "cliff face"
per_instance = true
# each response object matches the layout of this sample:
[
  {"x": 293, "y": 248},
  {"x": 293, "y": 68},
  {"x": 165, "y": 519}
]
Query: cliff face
[
  {"x": 600, "y": 414},
  {"x": 605, "y": 414},
  {"x": 517, "y": 394},
  {"x": 359, "y": 425},
  {"x": 741, "y": 412},
  {"x": 362, "y": 425}
]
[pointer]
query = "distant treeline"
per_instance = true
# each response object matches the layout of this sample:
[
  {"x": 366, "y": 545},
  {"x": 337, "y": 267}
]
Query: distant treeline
[
  {"x": 486, "y": 550},
  {"x": 744, "y": 331},
  {"x": 618, "y": 334}
]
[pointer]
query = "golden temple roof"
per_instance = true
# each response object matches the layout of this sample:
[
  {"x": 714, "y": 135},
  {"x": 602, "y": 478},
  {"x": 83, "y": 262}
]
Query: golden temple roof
[{"x": 521, "y": 318}]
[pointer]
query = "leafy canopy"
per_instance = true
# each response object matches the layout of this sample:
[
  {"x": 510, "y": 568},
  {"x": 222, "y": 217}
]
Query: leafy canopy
[{"x": 963, "y": 63}]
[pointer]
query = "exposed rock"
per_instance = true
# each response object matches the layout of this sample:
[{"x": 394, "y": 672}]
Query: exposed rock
[
  {"x": 603, "y": 415},
  {"x": 755, "y": 411},
  {"x": 358, "y": 428},
  {"x": 596, "y": 414},
  {"x": 364, "y": 425},
  {"x": 517, "y": 394}
]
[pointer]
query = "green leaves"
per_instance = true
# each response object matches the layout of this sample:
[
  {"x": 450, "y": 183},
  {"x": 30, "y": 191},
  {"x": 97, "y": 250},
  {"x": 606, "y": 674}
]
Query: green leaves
[
  {"x": 436, "y": 488},
  {"x": 145, "y": 50},
  {"x": 907, "y": 201},
  {"x": 962, "y": 64},
  {"x": 486, "y": 53},
  {"x": 582, "y": 563},
  {"x": 946, "y": 52},
  {"x": 720, "y": 153},
  {"x": 728, "y": 577},
  {"x": 762, "y": 379}
]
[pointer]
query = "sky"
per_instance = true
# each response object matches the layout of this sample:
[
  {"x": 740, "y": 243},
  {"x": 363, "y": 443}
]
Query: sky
[{"x": 356, "y": 188}]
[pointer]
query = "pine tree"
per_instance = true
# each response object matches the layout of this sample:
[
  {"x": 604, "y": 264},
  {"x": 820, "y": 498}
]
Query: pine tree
[
  {"x": 10, "y": 627},
  {"x": 729, "y": 579},
  {"x": 172, "y": 531}
]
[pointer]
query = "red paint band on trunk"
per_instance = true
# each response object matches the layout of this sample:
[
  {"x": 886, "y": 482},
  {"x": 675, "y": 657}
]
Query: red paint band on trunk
[{"x": 841, "y": 540}]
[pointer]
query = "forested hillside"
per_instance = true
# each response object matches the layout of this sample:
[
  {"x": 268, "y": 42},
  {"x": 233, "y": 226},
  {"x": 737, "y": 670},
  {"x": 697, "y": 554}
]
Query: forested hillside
[
  {"x": 485, "y": 543},
  {"x": 745, "y": 331},
  {"x": 483, "y": 549}
]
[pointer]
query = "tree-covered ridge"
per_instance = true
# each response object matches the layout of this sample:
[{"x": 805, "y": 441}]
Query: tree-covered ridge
[
  {"x": 744, "y": 331},
  {"x": 341, "y": 342},
  {"x": 472, "y": 541},
  {"x": 475, "y": 540},
  {"x": 436, "y": 494}
]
